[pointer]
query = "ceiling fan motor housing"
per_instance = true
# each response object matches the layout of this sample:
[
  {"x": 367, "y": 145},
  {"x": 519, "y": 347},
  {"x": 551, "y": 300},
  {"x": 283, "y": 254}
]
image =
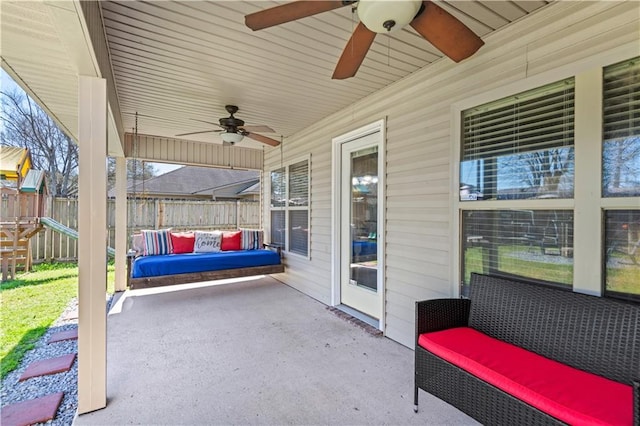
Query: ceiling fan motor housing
[
  {"x": 231, "y": 123},
  {"x": 387, "y": 16}
]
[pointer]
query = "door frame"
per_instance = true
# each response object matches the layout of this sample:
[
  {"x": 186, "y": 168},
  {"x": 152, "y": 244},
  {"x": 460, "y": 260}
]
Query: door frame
[{"x": 336, "y": 203}]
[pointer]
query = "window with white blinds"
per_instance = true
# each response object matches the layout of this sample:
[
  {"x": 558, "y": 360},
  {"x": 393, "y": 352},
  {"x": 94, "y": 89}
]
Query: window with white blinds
[
  {"x": 515, "y": 148},
  {"x": 520, "y": 150},
  {"x": 290, "y": 207},
  {"x": 520, "y": 146},
  {"x": 299, "y": 184},
  {"x": 621, "y": 129}
]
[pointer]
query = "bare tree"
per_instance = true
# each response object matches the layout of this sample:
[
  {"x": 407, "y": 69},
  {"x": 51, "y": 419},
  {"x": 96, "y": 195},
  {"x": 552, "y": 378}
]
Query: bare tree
[
  {"x": 621, "y": 166},
  {"x": 137, "y": 170},
  {"x": 26, "y": 125},
  {"x": 542, "y": 170}
]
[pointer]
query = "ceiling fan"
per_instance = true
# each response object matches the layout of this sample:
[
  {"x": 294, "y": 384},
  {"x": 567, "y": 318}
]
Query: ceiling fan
[
  {"x": 439, "y": 27},
  {"x": 232, "y": 130}
]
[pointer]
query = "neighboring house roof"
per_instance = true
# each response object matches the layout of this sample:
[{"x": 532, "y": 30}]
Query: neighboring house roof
[
  {"x": 252, "y": 190},
  {"x": 191, "y": 180},
  {"x": 235, "y": 187}
]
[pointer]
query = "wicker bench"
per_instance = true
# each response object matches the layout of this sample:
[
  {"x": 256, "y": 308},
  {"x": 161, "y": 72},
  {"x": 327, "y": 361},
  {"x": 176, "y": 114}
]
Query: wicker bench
[{"x": 588, "y": 346}]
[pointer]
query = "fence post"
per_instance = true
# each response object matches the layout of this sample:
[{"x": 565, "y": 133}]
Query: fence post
[
  {"x": 156, "y": 208},
  {"x": 237, "y": 214}
]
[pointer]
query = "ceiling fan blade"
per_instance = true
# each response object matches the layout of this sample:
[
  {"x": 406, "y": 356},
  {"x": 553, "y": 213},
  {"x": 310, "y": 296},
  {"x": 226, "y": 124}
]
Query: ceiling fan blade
[
  {"x": 446, "y": 32},
  {"x": 290, "y": 12},
  {"x": 263, "y": 139},
  {"x": 196, "y": 133},
  {"x": 354, "y": 53},
  {"x": 258, "y": 128},
  {"x": 207, "y": 122}
]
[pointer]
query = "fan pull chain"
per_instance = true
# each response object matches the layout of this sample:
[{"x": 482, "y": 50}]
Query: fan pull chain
[
  {"x": 353, "y": 25},
  {"x": 281, "y": 154},
  {"x": 388, "y": 49}
]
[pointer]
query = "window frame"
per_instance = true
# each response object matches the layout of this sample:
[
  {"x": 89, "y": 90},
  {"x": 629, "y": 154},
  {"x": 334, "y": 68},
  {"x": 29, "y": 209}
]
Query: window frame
[
  {"x": 607, "y": 194},
  {"x": 526, "y": 204},
  {"x": 588, "y": 205},
  {"x": 286, "y": 208}
]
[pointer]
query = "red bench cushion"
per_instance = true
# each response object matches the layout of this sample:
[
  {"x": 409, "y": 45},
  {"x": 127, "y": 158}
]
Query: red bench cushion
[{"x": 566, "y": 393}]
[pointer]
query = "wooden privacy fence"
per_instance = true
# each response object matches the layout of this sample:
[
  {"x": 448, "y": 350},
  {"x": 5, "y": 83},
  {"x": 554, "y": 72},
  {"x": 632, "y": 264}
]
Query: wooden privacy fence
[{"x": 179, "y": 215}]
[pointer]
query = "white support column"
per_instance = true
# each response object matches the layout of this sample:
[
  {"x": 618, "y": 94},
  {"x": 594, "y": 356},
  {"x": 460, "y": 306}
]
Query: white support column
[
  {"x": 121, "y": 224},
  {"x": 92, "y": 244},
  {"x": 587, "y": 226}
]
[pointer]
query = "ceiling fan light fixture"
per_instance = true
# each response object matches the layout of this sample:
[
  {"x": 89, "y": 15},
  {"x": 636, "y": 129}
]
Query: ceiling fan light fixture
[
  {"x": 231, "y": 137},
  {"x": 387, "y": 16}
]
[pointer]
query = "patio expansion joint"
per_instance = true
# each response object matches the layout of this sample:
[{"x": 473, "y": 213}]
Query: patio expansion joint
[
  {"x": 64, "y": 335},
  {"x": 48, "y": 366},
  {"x": 38, "y": 410}
]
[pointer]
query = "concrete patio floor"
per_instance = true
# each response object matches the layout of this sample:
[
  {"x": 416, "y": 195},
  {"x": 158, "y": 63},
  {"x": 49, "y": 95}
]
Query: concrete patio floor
[{"x": 253, "y": 352}]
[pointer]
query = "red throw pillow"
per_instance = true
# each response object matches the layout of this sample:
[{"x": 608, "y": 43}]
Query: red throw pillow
[
  {"x": 231, "y": 241},
  {"x": 182, "y": 242}
]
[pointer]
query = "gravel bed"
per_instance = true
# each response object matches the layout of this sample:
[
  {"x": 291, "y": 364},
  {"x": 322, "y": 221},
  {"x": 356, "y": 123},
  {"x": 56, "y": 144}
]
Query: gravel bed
[
  {"x": 539, "y": 257},
  {"x": 14, "y": 391}
]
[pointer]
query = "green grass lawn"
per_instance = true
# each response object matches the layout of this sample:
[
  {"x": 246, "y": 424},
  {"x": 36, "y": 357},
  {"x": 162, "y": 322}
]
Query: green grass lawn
[
  {"x": 31, "y": 303},
  {"x": 558, "y": 273},
  {"x": 624, "y": 279}
]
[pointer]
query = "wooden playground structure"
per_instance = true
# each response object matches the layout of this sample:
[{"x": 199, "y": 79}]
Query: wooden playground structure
[{"x": 23, "y": 191}]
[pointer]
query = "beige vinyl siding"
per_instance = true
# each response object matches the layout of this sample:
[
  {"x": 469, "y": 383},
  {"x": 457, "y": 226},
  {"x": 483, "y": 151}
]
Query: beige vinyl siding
[
  {"x": 193, "y": 153},
  {"x": 419, "y": 169}
]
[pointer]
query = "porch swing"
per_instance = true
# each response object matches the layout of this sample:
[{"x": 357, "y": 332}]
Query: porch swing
[{"x": 146, "y": 271}]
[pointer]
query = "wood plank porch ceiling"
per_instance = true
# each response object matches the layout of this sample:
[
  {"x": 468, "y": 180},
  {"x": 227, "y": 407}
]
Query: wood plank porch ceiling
[{"x": 178, "y": 63}]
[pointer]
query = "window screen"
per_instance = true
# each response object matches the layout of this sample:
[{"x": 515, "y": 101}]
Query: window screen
[
  {"x": 520, "y": 146},
  {"x": 621, "y": 130},
  {"x": 535, "y": 244},
  {"x": 622, "y": 253},
  {"x": 278, "y": 188},
  {"x": 278, "y": 227},
  {"x": 299, "y": 231}
]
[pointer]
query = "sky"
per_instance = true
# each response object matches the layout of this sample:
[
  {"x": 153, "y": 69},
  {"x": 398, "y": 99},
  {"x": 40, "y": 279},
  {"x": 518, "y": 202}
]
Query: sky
[{"x": 7, "y": 84}]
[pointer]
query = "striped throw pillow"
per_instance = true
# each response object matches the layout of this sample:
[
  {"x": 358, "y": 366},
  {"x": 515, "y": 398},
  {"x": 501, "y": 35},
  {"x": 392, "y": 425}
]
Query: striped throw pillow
[
  {"x": 157, "y": 242},
  {"x": 251, "y": 239}
]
